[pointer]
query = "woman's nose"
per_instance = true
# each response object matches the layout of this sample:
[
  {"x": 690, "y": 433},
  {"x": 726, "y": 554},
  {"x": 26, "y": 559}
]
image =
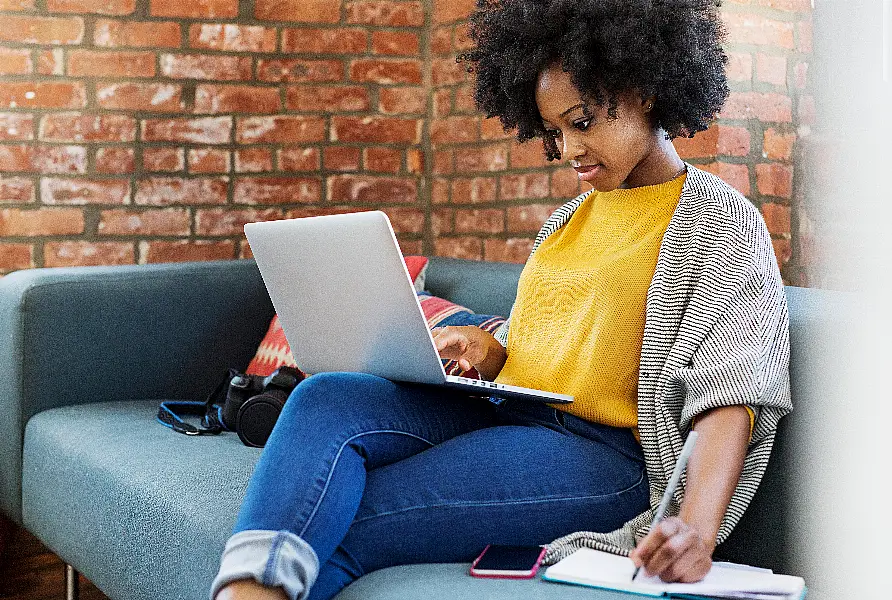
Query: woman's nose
[{"x": 573, "y": 148}]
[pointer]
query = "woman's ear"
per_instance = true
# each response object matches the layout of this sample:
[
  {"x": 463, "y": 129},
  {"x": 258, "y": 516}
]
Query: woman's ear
[{"x": 648, "y": 103}]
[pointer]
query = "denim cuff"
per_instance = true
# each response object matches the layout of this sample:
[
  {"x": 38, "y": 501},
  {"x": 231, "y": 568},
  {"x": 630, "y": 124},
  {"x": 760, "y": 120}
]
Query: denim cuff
[{"x": 271, "y": 558}]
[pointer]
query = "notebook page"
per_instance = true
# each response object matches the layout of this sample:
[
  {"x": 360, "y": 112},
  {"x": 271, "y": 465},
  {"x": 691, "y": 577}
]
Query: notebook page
[
  {"x": 601, "y": 569},
  {"x": 739, "y": 583}
]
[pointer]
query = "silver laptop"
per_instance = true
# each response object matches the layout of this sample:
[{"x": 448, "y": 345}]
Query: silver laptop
[{"x": 346, "y": 302}]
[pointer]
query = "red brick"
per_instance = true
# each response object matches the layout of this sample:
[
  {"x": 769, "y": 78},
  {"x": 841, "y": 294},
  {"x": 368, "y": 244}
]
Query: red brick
[
  {"x": 367, "y": 189},
  {"x": 299, "y": 159},
  {"x": 383, "y": 160},
  {"x": 445, "y": 71},
  {"x": 449, "y": 11},
  {"x": 529, "y": 155},
  {"x": 15, "y": 222},
  {"x": 253, "y": 160},
  {"x": 805, "y": 34},
  {"x": 17, "y": 157},
  {"x": 16, "y": 256},
  {"x": 492, "y": 157},
  {"x": 527, "y": 185},
  {"x": 84, "y": 191},
  {"x": 778, "y": 145},
  {"x": 565, "y": 184},
  {"x": 464, "y": 99},
  {"x": 529, "y": 218},
  {"x": 717, "y": 140},
  {"x": 473, "y": 190},
  {"x": 748, "y": 28},
  {"x": 454, "y": 130},
  {"x": 442, "y": 221},
  {"x": 114, "y": 160},
  {"x": 232, "y": 38},
  {"x": 469, "y": 248},
  {"x": 204, "y": 130},
  {"x": 185, "y": 251},
  {"x": 16, "y": 190},
  {"x": 206, "y": 66},
  {"x": 229, "y": 221},
  {"x": 375, "y": 129},
  {"x": 771, "y": 69},
  {"x": 86, "y": 63},
  {"x": 15, "y": 94},
  {"x": 487, "y": 220},
  {"x": 410, "y": 247},
  {"x": 783, "y": 251},
  {"x": 277, "y": 190},
  {"x": 442, "y": 102},
  {"x": 216, "y": 99},
  {"x": 766, "y": 107},
  {"x": 137, "y": 34},
  {"x": 42, "y": 30},
  {"x": 440, "y": 191},
  {"x": 386, "y": 71},
  {"x": 208, "y": 160},
  {"x": 77, "y": 127},
  {"x": 443, "y": 162},
  {"x": 441, "y": 40},
  {"x": 513, "y": 250},
  {"x": 387, "y": 13},
  {"x": 491, "y": 129},
  {"x": 102, "y": 7},
  {"x": 405, "y": 219},
  {"x": 341, "y": 158},
  {"x": 324, "y": 41},
  {"x": 15, "y": 62},
  {"x": 303, "y": 11},
  {"x": 16, "y": 126},
  {"x": 196, "y": 9},
  {"x": 163, "y": 191},
  {"x": 81, "y": 253},
  {"x": 280, "y": 129},
  {"x": 13, "y": 5},
  {"x": 777, "y": 218},
  {"x": 166, "y": 221},
  {"x": 402, "y": 100},
  {"x": 415, "y": 161},
  {"x": 739, "y": 67},
  {"x": 321, "y": 98},
  {"x": 463, "y": 40},
  {"x": 775, "y": 180},
  {"x": 806, "y": 111},
  {"x": 143, "y": 97},
  {"x": 167, "y": 160},
  {"x": 297, "y": 70},
  {"x": 738, "y": 176},
  {"x": 398, "y": 43},
  {"x": 800, "y": 73},
  {"x": 60, "y": 159},
  {"x": 51, "y": 62}
]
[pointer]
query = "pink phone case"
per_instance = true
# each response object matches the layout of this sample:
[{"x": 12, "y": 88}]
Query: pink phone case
[{"x": 507, "y": 574}]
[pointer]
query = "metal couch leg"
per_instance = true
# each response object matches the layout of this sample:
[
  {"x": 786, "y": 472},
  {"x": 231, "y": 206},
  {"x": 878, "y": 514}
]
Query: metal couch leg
[{"x": 72, "y": 583}]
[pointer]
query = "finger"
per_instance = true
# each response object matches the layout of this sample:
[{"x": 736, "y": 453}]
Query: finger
[
  {"x": 699, "y": 570},
  {"x": 683, "y": 566},
  {"x": 464, "y": 364},
  {"x": 655, "y": 538},
  {"x": 676, "y": 543}
]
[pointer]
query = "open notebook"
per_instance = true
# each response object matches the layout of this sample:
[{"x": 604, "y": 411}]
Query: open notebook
[{"x": 725, "y": 580}]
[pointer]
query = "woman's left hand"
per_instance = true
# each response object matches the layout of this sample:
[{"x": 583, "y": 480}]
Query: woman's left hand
[{"x": 674, "y": 551}]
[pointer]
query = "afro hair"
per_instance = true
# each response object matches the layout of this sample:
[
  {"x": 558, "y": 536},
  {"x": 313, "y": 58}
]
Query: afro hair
[{"x": 668, "y": 49}]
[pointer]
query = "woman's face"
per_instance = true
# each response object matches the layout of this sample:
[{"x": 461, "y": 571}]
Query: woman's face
[{"x": 607, "y": 153}]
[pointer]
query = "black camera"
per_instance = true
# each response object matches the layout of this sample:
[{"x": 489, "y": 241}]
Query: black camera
[{"x": 253, "y": 403}]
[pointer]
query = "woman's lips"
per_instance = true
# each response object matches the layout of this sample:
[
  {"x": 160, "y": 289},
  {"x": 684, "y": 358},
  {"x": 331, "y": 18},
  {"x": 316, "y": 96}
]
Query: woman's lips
[{"x": 589, "y": 172}]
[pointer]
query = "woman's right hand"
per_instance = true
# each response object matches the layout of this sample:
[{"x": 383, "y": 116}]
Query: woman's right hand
[{"x": 470, "y": 346}]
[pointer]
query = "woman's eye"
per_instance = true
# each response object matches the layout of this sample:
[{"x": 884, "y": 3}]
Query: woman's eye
[{"x": 582, "y": 125}]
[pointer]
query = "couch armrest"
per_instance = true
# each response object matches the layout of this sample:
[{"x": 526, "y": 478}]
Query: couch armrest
[{"x": 93, "y": 334}]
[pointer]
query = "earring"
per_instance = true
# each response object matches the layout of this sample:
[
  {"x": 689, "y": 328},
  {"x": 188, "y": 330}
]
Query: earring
[{"x": 650, "y": 105}]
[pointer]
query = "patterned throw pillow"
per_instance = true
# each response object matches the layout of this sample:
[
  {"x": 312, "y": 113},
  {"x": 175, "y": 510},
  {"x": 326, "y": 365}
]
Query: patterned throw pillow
[{"x": 274, "y": 350}]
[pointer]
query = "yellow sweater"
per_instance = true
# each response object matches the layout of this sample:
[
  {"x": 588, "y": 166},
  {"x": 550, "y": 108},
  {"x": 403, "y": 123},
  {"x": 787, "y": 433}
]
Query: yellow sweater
[{"x": 578, "y": 322}]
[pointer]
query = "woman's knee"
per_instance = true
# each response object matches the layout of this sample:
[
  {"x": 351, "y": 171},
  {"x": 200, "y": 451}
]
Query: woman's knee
[{"x": 334, "y": 393}]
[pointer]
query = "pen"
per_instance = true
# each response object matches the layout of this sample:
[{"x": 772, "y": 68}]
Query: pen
[{"x": 673, "y": 483}]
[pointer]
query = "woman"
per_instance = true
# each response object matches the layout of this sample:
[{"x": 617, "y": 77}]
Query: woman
[{"x": 655, "y": 300}]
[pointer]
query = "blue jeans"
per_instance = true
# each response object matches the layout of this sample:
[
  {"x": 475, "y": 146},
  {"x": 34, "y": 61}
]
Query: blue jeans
[{"x": 361, "y": 473}]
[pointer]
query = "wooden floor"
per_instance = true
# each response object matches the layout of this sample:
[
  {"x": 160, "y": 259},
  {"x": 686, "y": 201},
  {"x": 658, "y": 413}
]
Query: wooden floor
[{"x": 29, "y": 571}]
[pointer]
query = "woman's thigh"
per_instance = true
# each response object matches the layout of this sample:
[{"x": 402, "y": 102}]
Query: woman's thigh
[{"x": 509, "y": 484}]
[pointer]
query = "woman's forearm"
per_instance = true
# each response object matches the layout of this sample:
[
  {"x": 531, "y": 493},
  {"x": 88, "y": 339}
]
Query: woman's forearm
[{"x": 714, "y": 468}]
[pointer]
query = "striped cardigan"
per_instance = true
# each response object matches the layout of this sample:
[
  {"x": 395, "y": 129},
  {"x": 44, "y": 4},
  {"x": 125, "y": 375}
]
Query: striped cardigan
[{"x": 715, "y": 334}]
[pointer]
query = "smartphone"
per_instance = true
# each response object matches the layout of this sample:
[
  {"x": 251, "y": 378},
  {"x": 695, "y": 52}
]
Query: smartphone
[{"x": 511, "y": 562}]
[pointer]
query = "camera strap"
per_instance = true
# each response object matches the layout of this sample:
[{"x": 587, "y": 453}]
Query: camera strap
[{"x": 172, "y": 412}]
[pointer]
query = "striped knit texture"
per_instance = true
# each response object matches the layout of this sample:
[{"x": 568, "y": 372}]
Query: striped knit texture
[{"x": 716, "y": 334}]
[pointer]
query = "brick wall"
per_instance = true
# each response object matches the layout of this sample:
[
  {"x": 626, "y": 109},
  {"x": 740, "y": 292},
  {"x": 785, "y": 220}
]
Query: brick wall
[{"x": 135, "y": 131}]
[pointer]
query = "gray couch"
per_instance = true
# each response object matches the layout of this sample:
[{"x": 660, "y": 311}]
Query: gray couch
[{"x": 143, "y": 512}]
